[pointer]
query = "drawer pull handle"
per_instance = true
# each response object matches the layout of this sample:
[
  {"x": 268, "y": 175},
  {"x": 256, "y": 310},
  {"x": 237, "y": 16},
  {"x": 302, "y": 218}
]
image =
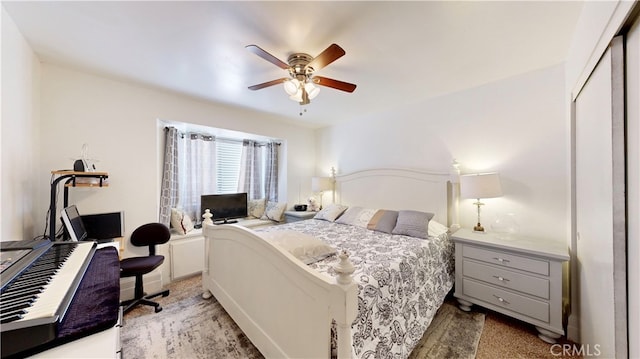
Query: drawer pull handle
[
  {"x": 501, "y": 260},
  {"x": 501, "y": 300},
  {"x": 502, "y": 279}
]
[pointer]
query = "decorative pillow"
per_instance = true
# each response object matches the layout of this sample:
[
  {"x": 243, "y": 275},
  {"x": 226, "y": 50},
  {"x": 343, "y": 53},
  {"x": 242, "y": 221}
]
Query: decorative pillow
[
  {"x": 330, "y": 212},
  {"x": 274, "y": 211},
  {"x": 181, "y": 221},
  {"x": 413, "y": 223},
  {"x": 357, "y": 216},
  {"x": 255, "y": 207},
  {"x": 306, "y": 248},
  {"x": 383, "y": 221},
  {"x": 437, "y": 229}
]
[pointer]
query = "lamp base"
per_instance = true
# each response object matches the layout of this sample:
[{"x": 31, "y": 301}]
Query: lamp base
[{"x": 478, "y": 228}]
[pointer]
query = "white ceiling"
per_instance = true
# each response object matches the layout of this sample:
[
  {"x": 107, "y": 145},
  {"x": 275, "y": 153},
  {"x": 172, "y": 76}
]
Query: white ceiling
[{"x": 396, "y": 52}]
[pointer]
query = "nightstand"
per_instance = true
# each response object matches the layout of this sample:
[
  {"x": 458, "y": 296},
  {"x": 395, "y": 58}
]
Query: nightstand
[
  {"x": 295, "y": 216},
  {"x": 518, "y": 276}
]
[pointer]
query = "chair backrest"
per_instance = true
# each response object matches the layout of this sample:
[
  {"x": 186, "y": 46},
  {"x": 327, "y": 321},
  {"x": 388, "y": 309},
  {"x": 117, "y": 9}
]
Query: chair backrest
[{"x": 150, "y": 234}]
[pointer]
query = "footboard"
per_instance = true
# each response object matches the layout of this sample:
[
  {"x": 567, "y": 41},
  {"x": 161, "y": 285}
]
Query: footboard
[{"x": 284, "y": 307}]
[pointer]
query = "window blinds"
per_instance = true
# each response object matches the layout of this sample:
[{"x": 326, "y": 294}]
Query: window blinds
[{"x": 228, "y": 155}]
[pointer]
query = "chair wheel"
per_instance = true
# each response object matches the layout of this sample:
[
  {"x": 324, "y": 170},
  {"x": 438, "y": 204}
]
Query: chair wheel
[{"x": 158, "y": 309}]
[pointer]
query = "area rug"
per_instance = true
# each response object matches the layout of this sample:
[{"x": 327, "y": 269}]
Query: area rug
[
  {"x": 200, "y": 328},
  {"x": 451, "y": 334}
]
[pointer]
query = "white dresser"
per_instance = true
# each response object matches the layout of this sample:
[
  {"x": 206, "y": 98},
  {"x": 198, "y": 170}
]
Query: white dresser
[{"x": 518, "y": 276}]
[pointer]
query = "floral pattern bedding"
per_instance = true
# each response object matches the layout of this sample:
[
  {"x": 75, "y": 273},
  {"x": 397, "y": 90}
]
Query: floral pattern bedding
[{"x": 402, "y": 281}]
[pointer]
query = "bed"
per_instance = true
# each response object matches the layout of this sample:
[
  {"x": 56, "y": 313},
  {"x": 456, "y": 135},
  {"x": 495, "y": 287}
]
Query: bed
[{"x": 377, "y": 295}]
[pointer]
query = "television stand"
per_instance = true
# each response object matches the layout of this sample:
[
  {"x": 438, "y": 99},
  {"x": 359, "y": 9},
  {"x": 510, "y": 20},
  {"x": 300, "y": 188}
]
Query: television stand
[{"x": 226, "y": 221}]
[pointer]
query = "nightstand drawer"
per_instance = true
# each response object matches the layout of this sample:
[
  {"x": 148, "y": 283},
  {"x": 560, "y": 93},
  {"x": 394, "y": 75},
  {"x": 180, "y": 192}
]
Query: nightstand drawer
[
  {"x": 507, "y": 300},
  {"x": 506, "y": 278},
  {"x": 507, "y": 260}
]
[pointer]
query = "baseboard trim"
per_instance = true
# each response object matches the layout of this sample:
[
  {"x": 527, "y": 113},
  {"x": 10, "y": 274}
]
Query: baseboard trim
[{"x": 573, "y": 328}]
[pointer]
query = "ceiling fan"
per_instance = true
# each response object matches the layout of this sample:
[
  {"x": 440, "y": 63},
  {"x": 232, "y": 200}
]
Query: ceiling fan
[{"x": 300, "y": 85}]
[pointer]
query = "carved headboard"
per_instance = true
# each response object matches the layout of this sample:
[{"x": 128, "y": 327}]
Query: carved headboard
[{"x": 400, "y": 189}]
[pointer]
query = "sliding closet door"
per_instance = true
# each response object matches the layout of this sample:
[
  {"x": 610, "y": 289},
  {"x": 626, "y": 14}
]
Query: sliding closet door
[{"x": 600, "y": 207}]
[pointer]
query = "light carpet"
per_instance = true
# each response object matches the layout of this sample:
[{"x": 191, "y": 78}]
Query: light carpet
[{"x": 194, "y": 327}]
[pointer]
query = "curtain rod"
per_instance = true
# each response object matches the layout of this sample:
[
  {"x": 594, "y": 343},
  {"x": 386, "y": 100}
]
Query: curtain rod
[{"x": 213, "y": 137}]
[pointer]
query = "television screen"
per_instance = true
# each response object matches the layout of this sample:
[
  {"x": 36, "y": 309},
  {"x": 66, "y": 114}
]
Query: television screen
[
  {"x": 104, "y": 225},
  {"x": 73, "y": 223},
  {"x": 224, "y": 206}
]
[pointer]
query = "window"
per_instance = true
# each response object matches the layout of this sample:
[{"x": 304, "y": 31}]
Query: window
[
  {"x": 201, "y": 163},
  {"x": 228, "y": 163}
]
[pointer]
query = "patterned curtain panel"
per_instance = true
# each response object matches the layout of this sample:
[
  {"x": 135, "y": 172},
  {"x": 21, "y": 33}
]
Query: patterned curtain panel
[
  {"x": 196, "y": 160},
  {"x": 250, "y": 179},
  {"x": 169, "y": 190},
  {"x": 271, "y": 171}
]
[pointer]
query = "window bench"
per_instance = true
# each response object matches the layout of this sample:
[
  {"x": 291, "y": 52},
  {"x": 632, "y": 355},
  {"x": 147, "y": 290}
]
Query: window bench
[{"x": 186, "y": 251}]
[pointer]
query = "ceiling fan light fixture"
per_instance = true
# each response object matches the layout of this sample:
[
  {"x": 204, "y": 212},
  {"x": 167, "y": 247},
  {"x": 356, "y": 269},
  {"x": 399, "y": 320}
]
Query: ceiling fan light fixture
[
  {"x": 312, "y": 90},
  {"x": 291, "y": 87},
  {"x": 297, "y": 97},
  {"x": 302, "y": 84}
]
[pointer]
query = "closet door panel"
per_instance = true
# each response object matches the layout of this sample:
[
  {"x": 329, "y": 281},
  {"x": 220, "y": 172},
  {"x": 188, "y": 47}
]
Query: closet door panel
[{"x": 599, "y": 136}]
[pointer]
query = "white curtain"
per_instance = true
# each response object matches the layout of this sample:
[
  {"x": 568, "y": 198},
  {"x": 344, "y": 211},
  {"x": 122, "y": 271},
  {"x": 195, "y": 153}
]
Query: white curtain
[
  {"x": 250, "y": 179},
  {"x": 196, "y": 159},
  {"x": 259, "y": 170}
]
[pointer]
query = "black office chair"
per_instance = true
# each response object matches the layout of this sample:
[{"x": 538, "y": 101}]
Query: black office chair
[{"x": 149, "y": 234}]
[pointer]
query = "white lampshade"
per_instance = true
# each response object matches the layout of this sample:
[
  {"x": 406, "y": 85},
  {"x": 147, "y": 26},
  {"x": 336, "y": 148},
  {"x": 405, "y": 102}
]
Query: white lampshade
[
  {"x": 312, "y": 90},
  {"x": 321, "y": 184},
  {"x": 291, "y": 86},
  {"x": 480, "y": 185},
  {"x": 297, "y": 97}
]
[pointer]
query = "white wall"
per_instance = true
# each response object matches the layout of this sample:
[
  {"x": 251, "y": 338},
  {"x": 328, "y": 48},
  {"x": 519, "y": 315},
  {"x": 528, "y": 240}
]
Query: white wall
[
  {"x": 119, "y": 122},
  {"x": 515, "y": 126},
  {"x": 18, "y": 133}
]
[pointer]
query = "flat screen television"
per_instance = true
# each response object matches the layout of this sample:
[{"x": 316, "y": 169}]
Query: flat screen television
[{"x": 224, "y": 207}]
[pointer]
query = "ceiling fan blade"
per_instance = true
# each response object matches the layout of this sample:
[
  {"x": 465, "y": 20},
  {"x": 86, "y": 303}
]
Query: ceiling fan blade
[
  {"x": 329, "y": 55},
  {"x": 339, "y": 85},
  {"x": 267, "y": 56},
  {"x": 267, "y": 84}
]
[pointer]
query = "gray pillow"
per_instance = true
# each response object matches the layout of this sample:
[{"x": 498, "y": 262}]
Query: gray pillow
[
  {"x": 383, "y": 221},
  {"x": 413, "y": 224}
]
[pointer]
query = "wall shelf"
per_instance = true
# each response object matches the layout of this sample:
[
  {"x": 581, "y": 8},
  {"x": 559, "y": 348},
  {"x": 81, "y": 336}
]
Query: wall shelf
[{"x": 72, "y": 179}]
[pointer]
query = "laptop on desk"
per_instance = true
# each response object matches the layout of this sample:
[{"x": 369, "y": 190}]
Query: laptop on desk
[{"x": 75, "y": 227}]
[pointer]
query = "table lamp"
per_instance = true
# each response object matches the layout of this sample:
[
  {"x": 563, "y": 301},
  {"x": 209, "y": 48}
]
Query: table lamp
[
  {"x": 321, "y": 184},
  {"x": 480, "y": 185}
]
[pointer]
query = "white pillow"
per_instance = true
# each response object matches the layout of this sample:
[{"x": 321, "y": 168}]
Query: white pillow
[
  {"x": 274, "y": 211},
  {"x": 357, "y": 216},
  {"x": 255, "y": 207},
  {"x": 181, "y": 221},
  {"x": 330, "y": 212},
  {"x": 306, "y": 248},
  {"x": 437, "y": 229}
]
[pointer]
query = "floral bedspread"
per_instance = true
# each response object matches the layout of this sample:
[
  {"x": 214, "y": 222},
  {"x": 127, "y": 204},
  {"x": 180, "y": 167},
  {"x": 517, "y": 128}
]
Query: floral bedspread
[{"x": 402, "y": 281}]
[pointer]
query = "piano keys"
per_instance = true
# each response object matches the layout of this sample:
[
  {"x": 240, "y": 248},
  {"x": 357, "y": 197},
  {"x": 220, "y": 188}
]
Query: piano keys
[{"x": 37, "y": 290}]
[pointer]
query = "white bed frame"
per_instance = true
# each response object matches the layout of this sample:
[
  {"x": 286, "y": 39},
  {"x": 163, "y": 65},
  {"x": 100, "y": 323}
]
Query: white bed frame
[{"x": 284, "y": 307}]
